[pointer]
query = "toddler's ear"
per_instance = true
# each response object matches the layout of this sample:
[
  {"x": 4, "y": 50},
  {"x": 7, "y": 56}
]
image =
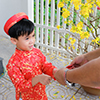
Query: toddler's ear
[{"x": 13, "y": 40}]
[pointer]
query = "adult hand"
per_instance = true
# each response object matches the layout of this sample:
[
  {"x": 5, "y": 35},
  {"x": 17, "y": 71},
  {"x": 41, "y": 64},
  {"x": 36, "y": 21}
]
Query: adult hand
[
  {"x": 79, "y": 60},
  {"x": 59, "y": 75}
]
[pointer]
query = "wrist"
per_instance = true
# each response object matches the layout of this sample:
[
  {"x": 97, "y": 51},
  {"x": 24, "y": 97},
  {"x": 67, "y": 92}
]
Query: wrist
[
  {"x": 35, "y": 80},
  {"x": 86, "y": 58},
  {"x": 54, "y": 71},
  {"x": 65, "y": 78}
]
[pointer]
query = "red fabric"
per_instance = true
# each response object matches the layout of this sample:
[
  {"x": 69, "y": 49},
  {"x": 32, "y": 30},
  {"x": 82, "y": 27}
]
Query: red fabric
[
  {"x": 72, "y": 66},
  {"x": 98, "y": 8},
  {"x": 14, "y": 19},
  {"x": 22, "y": 67}
]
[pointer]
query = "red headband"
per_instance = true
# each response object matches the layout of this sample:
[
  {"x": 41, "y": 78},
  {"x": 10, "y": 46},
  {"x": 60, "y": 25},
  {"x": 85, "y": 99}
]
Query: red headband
[{"x": 14, "y": 19}]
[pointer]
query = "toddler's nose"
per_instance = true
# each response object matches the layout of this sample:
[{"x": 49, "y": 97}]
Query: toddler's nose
[{"x": 31, "y": 40}]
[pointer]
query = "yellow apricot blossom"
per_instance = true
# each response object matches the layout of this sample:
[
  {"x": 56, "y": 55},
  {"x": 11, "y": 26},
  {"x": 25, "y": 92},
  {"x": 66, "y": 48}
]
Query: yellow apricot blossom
[
  {"x": 76, "y": 3},
  {"x": 80, "y": 25},
  {"x": 65, "y": 22},
  {"x": 82, "y": 15},
  {"x": 65, "y": 13},
  {"x": 64, "y": 9},
  {"x": 73, "y": 29},
  {"x": 84, "y": 35},
  {"x": 60, "y": 4},
  {"x": 88, "y": 1},
  {"x": 86, "y": 9},
  {"x": 70, "y": 38},
  {"x": 73, "y": 47},
  {"x": 94, "y": 5},
  {"x": 58, "y": 27},
  {"x": 62, "y": 96},
  {"x": 73, "y": 41},
  {"x": 69, "y": 47},
  {"x": 98, "y": 2},
  {"x": 97, "y": 40}
]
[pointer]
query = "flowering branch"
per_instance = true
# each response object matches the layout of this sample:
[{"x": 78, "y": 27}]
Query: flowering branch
[{"x": 84, "y": 10}]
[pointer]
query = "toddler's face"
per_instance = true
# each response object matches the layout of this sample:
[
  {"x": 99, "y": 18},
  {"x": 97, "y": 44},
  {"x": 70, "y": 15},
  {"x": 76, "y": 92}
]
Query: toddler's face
[{"x": 25, "y": 42}]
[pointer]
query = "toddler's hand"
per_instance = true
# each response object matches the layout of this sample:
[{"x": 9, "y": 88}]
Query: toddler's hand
[{"x": 44, "y": 79}]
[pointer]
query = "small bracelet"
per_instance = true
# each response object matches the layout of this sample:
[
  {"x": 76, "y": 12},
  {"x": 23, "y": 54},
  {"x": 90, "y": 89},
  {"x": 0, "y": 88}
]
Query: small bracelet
[
  {"x": 67, "y": 82},
  {"x": 65, "y": 74}
]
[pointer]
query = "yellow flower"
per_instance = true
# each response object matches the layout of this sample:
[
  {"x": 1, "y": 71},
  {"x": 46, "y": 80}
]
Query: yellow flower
[
  {"x": 70, "y": 38},
  {"x": 84, "y": 35},
  {"x": 74, "y": 97},
  {"x": 66, "y": 13},
  {"x": 57, "y": 91},
  {"x": 62, "y": 96},
  {"x": 55, "y": 95},
  {"x": 94, "y": 5},
  {"x": 73, "y": 29},
  {"x": 77, "y": 3},
  {"x": 98, "y": 3},
  {"x": 77, "y": 7},
  {"x": 86, "y": 9},
  {"x": 73, "y": 47},
  {"x": 54, "y": 89},
  {"x": 49, "y": 1},
  {"x": 65, "y": 22},
  {"x": 97, "y": 40},
  {"x": 64, "y": 9},
  {"x": 73, "y": 41},
  {"x": 58, "y": 26},
  {"x": 60, "y": 4},
  {"x": 93, "y": 40},
  {"x": 80, "y": 25},
  {"x": 68, "y": 47}
]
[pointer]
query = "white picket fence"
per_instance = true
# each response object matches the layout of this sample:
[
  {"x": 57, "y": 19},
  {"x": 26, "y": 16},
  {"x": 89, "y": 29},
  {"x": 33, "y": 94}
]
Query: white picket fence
[{"x": 48, "y": 37}]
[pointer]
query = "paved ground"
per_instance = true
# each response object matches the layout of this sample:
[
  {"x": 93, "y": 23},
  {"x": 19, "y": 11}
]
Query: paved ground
[{"x": 54, "y": 90}]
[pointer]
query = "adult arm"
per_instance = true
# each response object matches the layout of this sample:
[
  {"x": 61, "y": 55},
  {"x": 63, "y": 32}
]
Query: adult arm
[
  {"x": 93, "y": 54},
  {"x": 82, "y": 59},
  {"x": 88, "y": 74}
]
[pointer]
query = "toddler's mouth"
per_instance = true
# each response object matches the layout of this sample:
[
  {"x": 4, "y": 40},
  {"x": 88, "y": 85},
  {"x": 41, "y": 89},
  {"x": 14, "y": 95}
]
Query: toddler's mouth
[{"x": 31, "y": 47}]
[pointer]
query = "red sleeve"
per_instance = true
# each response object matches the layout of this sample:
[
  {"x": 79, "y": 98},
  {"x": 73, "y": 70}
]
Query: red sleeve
[
  {"x": 47, "y": 68},
  {"x": 17, "y": 78}
]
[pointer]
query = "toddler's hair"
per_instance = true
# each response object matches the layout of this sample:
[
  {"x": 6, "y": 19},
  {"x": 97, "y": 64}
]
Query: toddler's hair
[{"x": 21, "y": 28}]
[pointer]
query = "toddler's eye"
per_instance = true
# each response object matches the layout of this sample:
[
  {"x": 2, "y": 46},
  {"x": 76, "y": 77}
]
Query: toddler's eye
[
  {"x": 33, "y": 35},
  {"x": 27, "y": 38}
]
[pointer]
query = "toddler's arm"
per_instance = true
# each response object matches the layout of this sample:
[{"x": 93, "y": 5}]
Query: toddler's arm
[{"x": 42, "y": 78}]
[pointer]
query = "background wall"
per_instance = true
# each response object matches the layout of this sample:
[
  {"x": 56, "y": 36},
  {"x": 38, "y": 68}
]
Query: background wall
[{"x": 11, "y": 7}]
